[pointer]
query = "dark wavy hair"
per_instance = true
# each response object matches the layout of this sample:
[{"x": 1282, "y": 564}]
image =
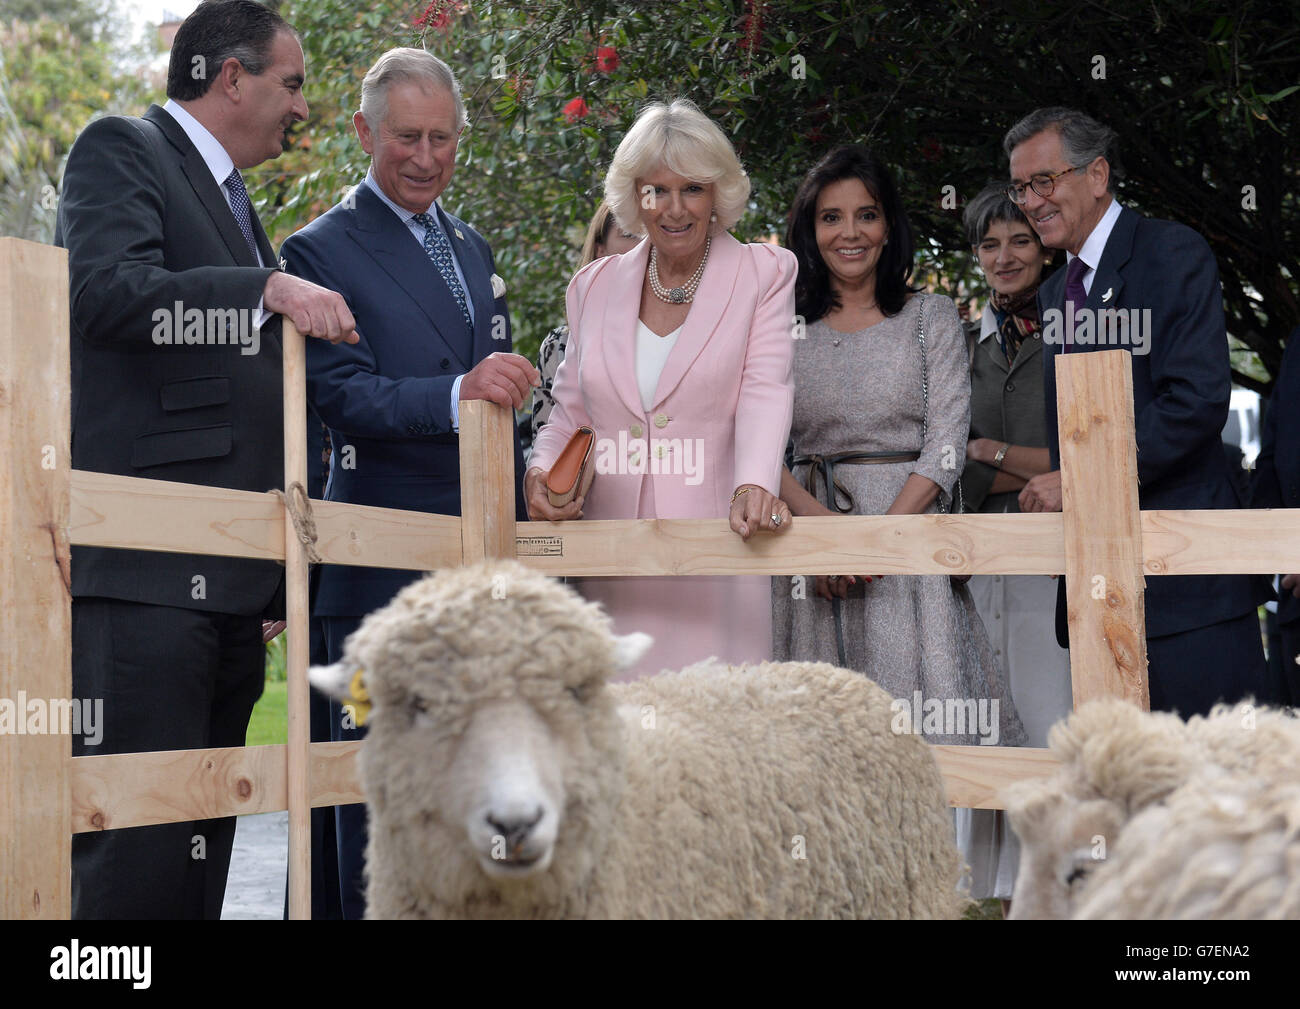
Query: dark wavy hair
[{"x": 813, "y": 295}]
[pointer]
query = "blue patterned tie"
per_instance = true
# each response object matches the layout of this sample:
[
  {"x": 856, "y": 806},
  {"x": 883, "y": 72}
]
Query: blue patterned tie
[
  {"x": 439, "y": 250},
  {"x": 242, "y": 209},
  {"x": 1075, "y": 295}
]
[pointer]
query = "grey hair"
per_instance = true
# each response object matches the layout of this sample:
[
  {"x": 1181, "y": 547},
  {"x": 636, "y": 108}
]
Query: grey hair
[
  {"x": 1083, "y": 139},
  {"x": 397, "y": 66},
  {"x": 990, "y": 206},
  {"x": 684, "y": 140}
]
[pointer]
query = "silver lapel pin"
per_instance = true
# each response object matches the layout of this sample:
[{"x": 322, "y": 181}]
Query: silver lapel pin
[
  {"x": 1106, "y": 297},
  {"x": 458, "y": 234}
]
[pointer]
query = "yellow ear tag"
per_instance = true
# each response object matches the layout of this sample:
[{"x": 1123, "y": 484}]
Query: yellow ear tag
[{"x": 359, "y": 705}]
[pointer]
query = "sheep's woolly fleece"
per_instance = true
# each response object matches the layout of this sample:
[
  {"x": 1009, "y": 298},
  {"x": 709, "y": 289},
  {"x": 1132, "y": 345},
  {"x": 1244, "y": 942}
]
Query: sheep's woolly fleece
[
  {"x": 691, "y": 794},
  {"x": 1117, "y": 762}
]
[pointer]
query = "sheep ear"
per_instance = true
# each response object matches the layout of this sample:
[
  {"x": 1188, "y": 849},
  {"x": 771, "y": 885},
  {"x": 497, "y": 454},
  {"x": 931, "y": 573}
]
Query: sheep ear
[
  {"x": 629, "y": 649},
  {"x": 335, "y": 680}
]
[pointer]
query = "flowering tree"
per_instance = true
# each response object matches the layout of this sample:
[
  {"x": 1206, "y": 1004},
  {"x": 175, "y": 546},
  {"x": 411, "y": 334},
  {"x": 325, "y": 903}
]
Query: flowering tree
[{"x": 1200, "y": 97}]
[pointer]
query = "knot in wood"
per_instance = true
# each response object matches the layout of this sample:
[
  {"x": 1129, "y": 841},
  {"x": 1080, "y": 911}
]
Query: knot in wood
[
  {"x": 244, "y": 787},
  {"x": 97, "y": 821},
  {"x": 950, "y": 558}
]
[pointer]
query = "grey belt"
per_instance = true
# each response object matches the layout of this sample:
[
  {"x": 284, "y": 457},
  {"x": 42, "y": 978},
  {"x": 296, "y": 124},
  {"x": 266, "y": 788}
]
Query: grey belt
[{"x": 825, "y": 465}]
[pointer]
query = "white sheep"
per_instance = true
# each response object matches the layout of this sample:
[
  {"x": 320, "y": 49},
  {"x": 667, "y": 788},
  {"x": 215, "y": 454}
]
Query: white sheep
[
  {"x": 1220, "y": 847},
  {"x": 1122, "y": 767},
  {"x": 505, "y": 778}
]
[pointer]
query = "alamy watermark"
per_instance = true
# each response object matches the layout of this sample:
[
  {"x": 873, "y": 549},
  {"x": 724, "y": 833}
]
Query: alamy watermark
[
  {"x": 638, "y": 456},
  {"x": 62, "y": 716},
  {"x": 948, "y": 716},
  {"x": 1103, "y": 327},
  {"x": 179, "y": 326}
]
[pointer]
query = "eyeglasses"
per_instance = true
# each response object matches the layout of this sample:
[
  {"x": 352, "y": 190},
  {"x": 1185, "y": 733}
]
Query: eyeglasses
[{"x": 1043, "y": 185}]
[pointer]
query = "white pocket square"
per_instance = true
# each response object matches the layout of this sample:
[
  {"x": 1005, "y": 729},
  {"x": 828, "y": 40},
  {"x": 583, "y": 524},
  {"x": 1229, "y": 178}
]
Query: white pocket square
[{"x": 498, "y": 286}]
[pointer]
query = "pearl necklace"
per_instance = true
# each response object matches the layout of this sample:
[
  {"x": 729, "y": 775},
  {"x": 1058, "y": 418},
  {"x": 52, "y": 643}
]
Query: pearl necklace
[{"x": 678, "y": 295}]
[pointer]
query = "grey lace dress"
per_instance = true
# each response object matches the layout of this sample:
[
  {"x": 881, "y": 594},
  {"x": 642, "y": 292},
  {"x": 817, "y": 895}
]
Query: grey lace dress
[{"x": 909, "y": 633}]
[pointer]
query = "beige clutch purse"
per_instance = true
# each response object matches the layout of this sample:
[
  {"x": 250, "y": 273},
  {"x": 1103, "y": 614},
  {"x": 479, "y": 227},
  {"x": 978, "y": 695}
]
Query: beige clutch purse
[{"x": 573, "y": 471}]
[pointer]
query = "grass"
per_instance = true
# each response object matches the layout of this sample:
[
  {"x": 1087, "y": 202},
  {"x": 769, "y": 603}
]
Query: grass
[{"x": 268, "y": 723}]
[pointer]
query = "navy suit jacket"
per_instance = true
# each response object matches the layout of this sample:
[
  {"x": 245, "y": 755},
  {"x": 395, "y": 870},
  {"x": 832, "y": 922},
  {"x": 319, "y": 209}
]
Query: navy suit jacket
[
  {"x": 387, "y": 398},
  {"x": 1276, "y": 480},
  {"x": 1181, "y": 389}
]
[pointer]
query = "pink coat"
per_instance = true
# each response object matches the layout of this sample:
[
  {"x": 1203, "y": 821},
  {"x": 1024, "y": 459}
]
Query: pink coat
[{"x": 721, "y": 414}]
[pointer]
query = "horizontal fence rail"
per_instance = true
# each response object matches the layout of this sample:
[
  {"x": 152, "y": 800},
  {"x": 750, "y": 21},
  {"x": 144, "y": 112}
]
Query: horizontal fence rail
[{"x": 46, "y": 795}]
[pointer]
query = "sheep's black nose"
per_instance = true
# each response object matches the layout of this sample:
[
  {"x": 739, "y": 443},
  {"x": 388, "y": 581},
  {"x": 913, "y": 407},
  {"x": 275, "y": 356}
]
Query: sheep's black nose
[{"x": 514, "y": 829}]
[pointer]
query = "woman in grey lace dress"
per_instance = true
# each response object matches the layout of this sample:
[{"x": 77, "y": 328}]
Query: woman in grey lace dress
[{"x": 881, "y": 411}]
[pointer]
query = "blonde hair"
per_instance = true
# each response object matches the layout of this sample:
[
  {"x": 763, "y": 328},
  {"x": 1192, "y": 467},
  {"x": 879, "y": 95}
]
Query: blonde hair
[{"x": 684, "y": 140}]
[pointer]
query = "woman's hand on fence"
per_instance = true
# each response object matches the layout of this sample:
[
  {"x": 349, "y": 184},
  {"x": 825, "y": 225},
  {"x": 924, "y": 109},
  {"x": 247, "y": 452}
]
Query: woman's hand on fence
[
  {"x": 539, "y": 504},
  {"x": 753, "y": 508},
  {"x": 1042, "y": 493}
]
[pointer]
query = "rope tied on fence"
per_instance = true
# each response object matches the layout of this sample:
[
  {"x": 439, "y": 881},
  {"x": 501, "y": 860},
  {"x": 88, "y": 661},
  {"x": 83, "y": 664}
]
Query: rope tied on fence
[{"x": 298, "y": 505}]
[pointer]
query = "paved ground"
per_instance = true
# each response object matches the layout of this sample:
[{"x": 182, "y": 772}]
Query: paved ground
[{"x": 258, "y": 867}]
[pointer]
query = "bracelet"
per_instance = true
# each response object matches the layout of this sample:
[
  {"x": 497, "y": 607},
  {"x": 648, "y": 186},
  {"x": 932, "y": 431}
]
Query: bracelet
[
  {"x": 739, "y": 491},
  {"x": 1002, "y": 454}
]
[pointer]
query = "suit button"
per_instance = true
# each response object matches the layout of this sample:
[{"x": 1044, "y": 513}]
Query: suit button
[
  {"x": 1011, "y": 387},
  {"x": 661, "y": 420},
  {"x": 660, "y": 451},
  {"x": 444, "y": 364},
  {"x": 635, "y": 459},
  {"x": 635, "y": 430}
]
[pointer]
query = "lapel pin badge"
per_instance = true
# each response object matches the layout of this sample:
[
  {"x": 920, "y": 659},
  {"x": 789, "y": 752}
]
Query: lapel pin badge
[
  {"x": 1106, "y": 297},
  {"x": 458, "y": 234},
  {"x": 284, "y": 267}
]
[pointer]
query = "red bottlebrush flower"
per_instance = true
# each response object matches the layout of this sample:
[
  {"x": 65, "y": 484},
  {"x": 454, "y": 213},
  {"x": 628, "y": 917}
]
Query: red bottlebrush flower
[
  {"x": 751, "y": 26},
  {"x": 606, "y": 59},
  {"x": 438, "y": 15},
  {"x": 931, "y": 150},
  {"x": 575, "y": 109}
]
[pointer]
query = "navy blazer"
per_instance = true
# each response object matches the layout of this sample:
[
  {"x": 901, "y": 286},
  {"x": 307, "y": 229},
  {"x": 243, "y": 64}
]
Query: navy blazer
[
  {"x": 1181, "y": 388},
  {"x": 1276, "y": 480},
  {"x": 387, "y": 398}
]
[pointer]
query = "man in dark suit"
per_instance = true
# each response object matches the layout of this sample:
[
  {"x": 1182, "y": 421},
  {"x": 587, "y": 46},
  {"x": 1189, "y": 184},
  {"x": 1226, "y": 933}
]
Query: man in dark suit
[
  {"x": 1203, "y": 638},
  {"x": 434, "y": 330},
  {"x": 1276, "y": 484},
  {"x": 170, "y": 277}
]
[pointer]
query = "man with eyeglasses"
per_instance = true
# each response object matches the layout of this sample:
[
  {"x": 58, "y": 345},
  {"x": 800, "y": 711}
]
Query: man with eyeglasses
[{"x": 1203, "y": 638}]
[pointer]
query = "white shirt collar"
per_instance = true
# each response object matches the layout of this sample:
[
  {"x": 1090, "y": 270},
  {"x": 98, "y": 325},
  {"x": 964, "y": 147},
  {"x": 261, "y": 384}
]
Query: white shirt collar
[
  {"x": 402, "y": 213},
  {"x": 988, "y": 322},
  {"x": 1096, "y": 242},
  {"x": 209, "y": 147}
]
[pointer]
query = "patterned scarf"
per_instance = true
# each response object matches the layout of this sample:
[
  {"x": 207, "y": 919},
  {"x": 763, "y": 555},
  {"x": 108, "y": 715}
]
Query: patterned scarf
[{"x": 1017, "y": 317}]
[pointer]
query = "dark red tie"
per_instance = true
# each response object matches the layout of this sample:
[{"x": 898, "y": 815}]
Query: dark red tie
[{"x": 1075, "y": 295}]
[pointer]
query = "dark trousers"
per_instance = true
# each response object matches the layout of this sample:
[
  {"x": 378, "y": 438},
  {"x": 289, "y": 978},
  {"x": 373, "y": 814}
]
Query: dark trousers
[
  {"x": 324, "y": 849},
  {"x": 349, "y": 821},
  {"x": 169, "y": 679},
  {"x": 1192, "y": 671},
  {"x": 1288, "y": 673}
]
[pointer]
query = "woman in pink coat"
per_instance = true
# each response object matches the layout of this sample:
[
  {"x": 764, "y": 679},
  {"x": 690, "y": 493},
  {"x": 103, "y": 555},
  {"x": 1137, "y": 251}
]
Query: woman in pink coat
[{"x": 679, "y": 358}]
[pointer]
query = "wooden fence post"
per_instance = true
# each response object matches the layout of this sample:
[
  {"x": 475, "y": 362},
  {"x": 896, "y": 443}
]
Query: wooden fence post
[
  {"x": 487, "y": 481},
  {"x": 1103, "y": 528},
  {"x": 298, "y": 797},
  {"x": 35, "y": 604}
]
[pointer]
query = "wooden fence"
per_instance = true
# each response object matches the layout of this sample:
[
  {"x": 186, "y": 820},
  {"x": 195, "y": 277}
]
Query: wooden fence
[{"x": 1101, "y": 541}]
